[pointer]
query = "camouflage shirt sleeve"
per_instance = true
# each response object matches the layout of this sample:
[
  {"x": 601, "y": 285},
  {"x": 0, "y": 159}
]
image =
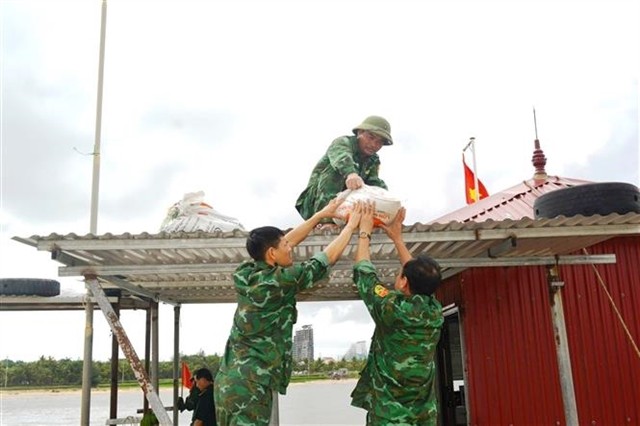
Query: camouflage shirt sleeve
[
  {"x": 345, "y": 158},
  {"x": 378, "y": 298},
  {"x": 341, "y": 154},
  {"x": 307, "y": 273}
]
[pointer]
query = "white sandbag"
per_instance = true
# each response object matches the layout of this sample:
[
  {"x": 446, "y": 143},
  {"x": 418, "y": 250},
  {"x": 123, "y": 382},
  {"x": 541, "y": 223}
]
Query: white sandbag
[
  {"x": 387, "y": 206},
  {"x": 193, "y": 214}
]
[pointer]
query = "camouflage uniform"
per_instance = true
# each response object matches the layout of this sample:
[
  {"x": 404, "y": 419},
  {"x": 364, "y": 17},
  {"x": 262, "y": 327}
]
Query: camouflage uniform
[
  {"x": 396, "y": 386},
  {"x": 258, "y": 355},
  {"x": 328, "y": 176}
]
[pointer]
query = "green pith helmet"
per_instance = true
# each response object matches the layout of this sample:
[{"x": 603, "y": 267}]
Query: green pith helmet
[{"x": 376, "y": 125}]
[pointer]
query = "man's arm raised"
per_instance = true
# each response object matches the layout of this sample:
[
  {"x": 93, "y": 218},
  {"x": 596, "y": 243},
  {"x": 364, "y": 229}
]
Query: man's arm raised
[
  {"x": 366, "y": 226},
  {"x": 394, "y": 231},
  {"x": 336, "y": 247},
  {"x": 300, "y": 232}
]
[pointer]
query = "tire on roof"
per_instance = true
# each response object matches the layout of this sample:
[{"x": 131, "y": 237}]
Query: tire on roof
[
  {"x": 29, "y": 287},
  {"x": 589, "y": 199}
]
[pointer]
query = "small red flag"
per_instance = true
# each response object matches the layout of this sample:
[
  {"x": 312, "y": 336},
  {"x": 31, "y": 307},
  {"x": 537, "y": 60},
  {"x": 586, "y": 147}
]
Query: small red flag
[
  {"x": 470, "y": 192},
  {"x": 186, "y": 376}
]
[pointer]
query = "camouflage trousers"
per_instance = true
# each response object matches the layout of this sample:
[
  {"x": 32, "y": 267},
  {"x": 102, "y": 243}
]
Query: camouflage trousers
[{"x": 241, "y": 402}]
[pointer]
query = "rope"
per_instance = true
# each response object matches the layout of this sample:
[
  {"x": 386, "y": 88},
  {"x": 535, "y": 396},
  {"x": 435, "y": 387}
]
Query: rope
[{"x": 615, "y": 308}]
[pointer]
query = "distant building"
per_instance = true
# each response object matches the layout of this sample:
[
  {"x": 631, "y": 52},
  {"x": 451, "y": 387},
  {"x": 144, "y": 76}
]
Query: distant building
[
  {"x": 303, "y": 344},
  {"x": 357, "y": 350}
]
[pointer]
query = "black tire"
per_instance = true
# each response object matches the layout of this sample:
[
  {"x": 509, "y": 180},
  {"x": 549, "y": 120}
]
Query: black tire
[
  {"x": 29, "y": 287},
  {"x": 589, "y": 199}
]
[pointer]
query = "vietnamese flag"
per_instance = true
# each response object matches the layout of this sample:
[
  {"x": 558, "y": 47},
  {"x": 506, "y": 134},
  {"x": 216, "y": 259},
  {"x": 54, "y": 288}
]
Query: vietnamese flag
[
  {"x": 186, "y": 376},
  {"x": 469, "y": 185}
]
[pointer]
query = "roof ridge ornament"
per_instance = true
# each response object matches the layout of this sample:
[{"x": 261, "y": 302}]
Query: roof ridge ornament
[{"x": 538, "y": 159}]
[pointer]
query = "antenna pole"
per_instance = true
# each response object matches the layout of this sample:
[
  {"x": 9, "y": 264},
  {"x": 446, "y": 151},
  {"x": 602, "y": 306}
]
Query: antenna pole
[{"x": 535, "y": 123}]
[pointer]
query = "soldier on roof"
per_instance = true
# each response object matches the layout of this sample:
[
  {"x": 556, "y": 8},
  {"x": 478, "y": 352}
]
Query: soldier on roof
[{"x": 349, "y": 163}]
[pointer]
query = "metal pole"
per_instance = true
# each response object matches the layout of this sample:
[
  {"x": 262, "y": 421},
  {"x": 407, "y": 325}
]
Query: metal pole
[
  {"x": 154, "y": 346},
  {"x": 147, "y": 352},
  {"x": 176, "y": 356},
  {"x": 475, "y": 171},
  {"x": 562, "y": 348},
  {"x": 93, "y": 227},
  {"x": 85, "y": 409},
  {"x": 115, "y": 352}
]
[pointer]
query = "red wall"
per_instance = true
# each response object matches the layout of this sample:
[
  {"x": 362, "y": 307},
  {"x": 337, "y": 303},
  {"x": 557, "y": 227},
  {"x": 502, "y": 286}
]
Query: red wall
[
  {"x": 606, "y": 367},
  {"x": 512, "y": 372}
]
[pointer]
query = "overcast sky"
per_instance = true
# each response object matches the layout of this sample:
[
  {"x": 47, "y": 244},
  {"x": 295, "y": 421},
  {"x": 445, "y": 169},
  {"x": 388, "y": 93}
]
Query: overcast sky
[{"x": 240, "y": 99}]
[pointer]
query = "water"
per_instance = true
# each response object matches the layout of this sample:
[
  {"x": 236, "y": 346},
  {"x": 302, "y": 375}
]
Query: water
[{"x": 313, "y": 403}]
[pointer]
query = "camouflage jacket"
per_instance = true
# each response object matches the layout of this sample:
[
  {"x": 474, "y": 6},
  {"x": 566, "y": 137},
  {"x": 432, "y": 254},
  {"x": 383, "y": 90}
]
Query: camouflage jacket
[
  {"x": 259, "y": 345},
  {"x": 397, "y": 382},
  {"x": 327, "y": 178}
]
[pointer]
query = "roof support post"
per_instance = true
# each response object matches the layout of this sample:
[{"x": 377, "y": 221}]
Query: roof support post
[
  {"x": 155, "y": 339},
  {"x": 147, "y": 353},
  {"x": 127, "y": 348},
  {"x": 115, "y": 354},
  {"x": 87, "y": 363},
  {"x": 176, "y": 366},
  {"x": 562, "y": 347}
]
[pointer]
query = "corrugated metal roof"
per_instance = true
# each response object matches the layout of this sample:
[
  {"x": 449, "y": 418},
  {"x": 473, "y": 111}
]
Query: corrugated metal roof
[
  {"x": 198, "y": 267},
  {"x": 63, "y": 303},
  {"x": 513, "y": 203}
]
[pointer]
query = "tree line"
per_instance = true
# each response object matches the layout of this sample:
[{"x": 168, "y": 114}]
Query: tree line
[{"x": 49, "y": 372}]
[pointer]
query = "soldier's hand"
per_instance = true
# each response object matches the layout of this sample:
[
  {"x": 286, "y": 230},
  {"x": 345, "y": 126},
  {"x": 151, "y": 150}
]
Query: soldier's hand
[
  {"x": 180, "y": 404},
  {"x": 355, "y": 215},
  {"x": 353, "y": 181},
  {"x": 394, "y": 229},
  {"x": 330, "y": 209},
  {"x": 366, "y": 222}
]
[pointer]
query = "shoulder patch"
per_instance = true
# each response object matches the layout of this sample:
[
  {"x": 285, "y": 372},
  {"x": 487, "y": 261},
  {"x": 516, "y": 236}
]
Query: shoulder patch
[{"x": 381, "y": 290}]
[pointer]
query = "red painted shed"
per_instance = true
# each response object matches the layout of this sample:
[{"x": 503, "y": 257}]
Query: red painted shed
[{"x": 499, "y": 344}]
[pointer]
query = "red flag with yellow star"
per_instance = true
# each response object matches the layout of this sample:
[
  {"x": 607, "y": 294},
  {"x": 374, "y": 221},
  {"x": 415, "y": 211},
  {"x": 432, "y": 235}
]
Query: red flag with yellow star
[{"x": 470, "y": 193}]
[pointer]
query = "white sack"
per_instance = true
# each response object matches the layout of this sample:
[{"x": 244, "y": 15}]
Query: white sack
[
  {"x": 387, "y": 206},
  {"x": 193, "y": 214}
]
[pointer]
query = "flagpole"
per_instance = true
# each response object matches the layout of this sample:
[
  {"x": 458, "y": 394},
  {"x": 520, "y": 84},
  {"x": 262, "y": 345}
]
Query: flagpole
[
  {"x": 472, "y": 145},
  {"x": 475, "y": 171},
  {"x": 181, "y": 379}
]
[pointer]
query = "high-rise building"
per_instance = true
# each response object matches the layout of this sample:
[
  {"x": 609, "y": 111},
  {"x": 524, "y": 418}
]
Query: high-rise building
[
  {"x": 357, "y": 350},
  {"x": 303, "y": 343}
]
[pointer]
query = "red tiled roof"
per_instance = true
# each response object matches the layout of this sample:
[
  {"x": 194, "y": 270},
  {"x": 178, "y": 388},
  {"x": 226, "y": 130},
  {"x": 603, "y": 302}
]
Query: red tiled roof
[{"x": 513, "y": 203}]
